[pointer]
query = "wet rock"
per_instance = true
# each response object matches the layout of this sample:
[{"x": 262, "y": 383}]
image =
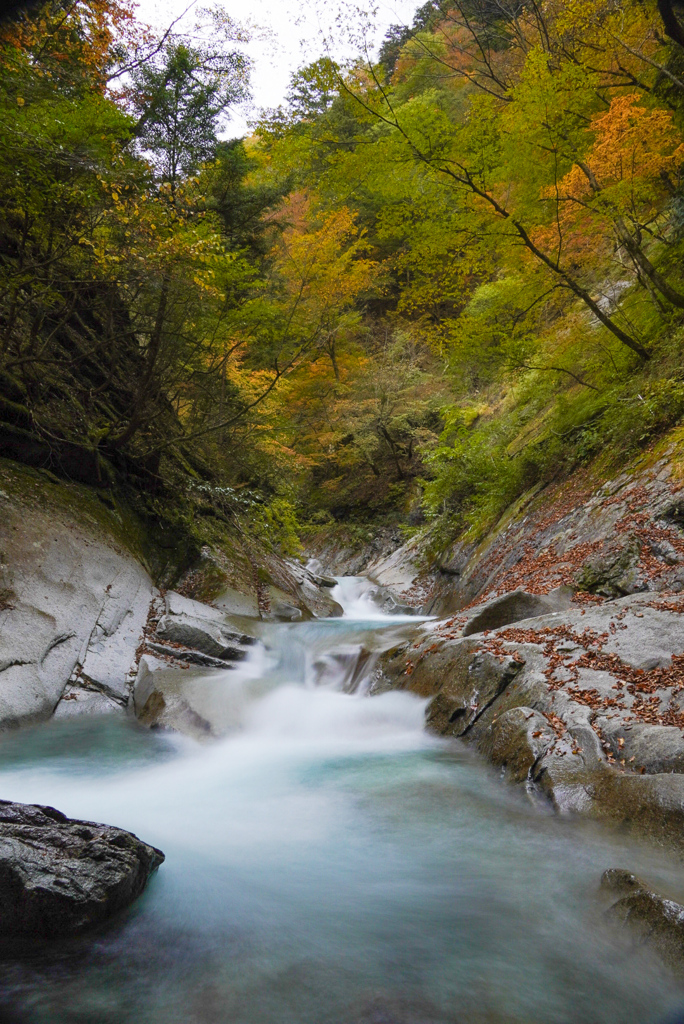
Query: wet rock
[
  {"x": 516, "y": 740},
  {"x": 470, "y": 688},
  {"x": 163, "y": 699},
  {"x": 652, "y": 918},
  {"x": 197, "y": 702},
  {"x": 59, "y": 875}
]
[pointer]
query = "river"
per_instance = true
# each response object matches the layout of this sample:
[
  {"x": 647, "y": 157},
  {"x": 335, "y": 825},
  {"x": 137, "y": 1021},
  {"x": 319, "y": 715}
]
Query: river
[{"x": 329, "y": 862}]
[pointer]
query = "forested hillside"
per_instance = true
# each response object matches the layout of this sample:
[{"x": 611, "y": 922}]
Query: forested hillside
[{"x": 435, "y": 278}]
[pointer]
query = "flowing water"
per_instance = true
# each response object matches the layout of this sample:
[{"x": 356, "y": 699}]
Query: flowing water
[{"x": 328, "y": 862}]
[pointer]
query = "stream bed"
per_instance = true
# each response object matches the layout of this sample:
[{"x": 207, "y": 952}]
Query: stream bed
[{"x": 329, "y": 862}]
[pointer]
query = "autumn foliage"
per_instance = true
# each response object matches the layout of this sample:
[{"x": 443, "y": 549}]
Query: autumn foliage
[{"x": 423, "y": 286}]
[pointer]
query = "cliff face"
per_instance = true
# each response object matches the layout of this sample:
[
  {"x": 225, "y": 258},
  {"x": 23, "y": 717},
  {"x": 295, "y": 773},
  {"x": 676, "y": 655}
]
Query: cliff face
[
  {"x": 604, "y": 537},
  {"x": 79, "y": 596}
]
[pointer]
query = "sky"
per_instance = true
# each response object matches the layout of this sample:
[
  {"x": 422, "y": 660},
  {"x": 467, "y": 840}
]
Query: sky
[{"x": 286, "y": 35}]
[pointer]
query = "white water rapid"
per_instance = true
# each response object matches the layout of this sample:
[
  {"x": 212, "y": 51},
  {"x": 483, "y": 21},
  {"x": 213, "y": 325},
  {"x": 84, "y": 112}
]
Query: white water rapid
[{"x": 328, "y": 862}]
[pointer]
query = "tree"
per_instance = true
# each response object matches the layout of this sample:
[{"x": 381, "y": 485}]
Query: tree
[{"x": 180, "y": 97}]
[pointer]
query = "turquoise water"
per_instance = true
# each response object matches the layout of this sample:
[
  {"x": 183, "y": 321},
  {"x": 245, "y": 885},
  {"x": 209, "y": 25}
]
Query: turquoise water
[{"x": 330, "y": 863}]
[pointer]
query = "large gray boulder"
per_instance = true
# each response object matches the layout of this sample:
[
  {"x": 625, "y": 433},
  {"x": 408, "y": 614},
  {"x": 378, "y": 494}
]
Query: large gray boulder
[
  {"x": 59, "y": 875},
  {"x": 210, "y": 638},
  {"x": 515, "y": 607}
]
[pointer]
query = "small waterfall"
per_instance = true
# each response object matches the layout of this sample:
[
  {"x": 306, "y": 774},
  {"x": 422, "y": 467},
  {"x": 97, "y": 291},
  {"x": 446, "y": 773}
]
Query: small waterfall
[{"x": 365, "y": 601}]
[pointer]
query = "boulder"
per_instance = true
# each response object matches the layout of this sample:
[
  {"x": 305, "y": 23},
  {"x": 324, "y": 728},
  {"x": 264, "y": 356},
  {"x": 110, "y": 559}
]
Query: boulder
[
  {"x": 197, "y": 702},
  {"x": 280, "y": 607},
  {"x": 208, "y": 637},
  {"x": 515, "y": 607},
  {"x": 202, "y": 628},
  {"x": 653, "y": 919},
  {"x": 59, "y": 875},
  {"x": 74, "y": 597}
]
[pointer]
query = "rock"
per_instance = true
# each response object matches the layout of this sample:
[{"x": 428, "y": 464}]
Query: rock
[
  {"x": 653, "y": 919},
  {"x": 188, "y": 656},
  {"x": 516, "y": 740},
  {"x": 205, "y": 630},
  {"x": 234, "y": 602},
  {"x": 558, "y": 702},
  {"x": 325, "y": 581},
  {"x": 399, "y": 573},
  {"x": 209, "y": 638},
  {"x": 161, "y": 699},
  {"x": 348, "y": 553},
  {"x": 116, "y": 635},
  {"x": 514, "y": 607},
  {"x": 614, "y": 571},
  {"x": 75, "y": 597},
  {"x": 654, "y": 748},
  {"x": 280, "y": 606},
  {"x": 317, "y": 600},
  {"x": 469, "y": 688},
  {"x": 176, "y": 604},
  {"x": 462, "y": 680},
  {"x": 59, "y": 875},
  {"x": 197, "y": 702},
  {"x": 81, "y": 700}
]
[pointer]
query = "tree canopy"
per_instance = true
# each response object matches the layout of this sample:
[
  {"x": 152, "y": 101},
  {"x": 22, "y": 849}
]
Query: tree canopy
[{"x": 430, "y": 281}]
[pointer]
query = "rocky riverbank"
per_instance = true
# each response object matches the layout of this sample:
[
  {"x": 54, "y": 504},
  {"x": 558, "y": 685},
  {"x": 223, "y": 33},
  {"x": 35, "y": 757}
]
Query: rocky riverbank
[
  {"x": 86, "y": 612},
  {"x": 555, "y": 646},
  {"x": 557, "y": 650},
  {"x": 88, "y": 625},
  {"x": 561, "y": 653}
]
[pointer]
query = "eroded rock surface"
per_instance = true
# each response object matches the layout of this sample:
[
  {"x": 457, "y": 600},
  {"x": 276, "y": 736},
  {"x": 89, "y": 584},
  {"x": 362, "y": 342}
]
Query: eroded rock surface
[
  {"x": 59, "y": 875},
  {"x": 653, "y": 919},
  {"x": 586, "y": 706},
  {"x": 74, "y": 602}
]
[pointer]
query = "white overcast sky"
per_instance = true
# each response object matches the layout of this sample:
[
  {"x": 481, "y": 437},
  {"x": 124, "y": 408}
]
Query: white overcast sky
[{"x": 292, "y": 39}]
